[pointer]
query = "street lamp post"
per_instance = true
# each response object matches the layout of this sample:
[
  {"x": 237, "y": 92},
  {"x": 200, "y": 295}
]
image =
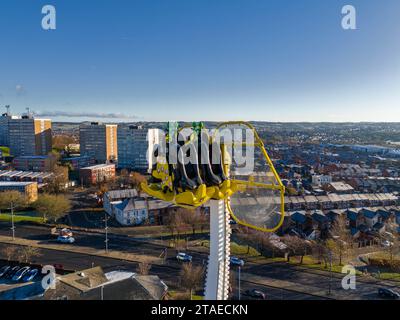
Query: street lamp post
[
  {"x": 106, "y": 230},
  {"x": 330, "y": 273},
  {"x": 12, "y": 221}
]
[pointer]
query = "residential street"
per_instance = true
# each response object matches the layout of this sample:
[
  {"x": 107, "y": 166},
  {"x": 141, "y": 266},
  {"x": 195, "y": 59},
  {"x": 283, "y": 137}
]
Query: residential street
[{"x": 277, "y": 280}]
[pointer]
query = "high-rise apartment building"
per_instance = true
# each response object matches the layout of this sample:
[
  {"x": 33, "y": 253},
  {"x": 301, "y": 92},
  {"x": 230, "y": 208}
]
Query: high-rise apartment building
[
  {"x": 4, "y": 127},
  {"x": 134, "y": 145},
  {"x": 4, "y": 139},
  {"x": 99, "y": 141},
  {"x": 29, "y": 136}
]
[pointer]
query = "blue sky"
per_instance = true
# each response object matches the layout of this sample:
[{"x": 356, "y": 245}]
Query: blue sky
[{"x": 272, "y": 60}]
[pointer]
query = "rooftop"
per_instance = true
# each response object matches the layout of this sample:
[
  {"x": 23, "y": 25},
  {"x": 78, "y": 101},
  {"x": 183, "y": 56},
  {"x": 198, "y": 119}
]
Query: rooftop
[
  {"x": 15, "y": 184},
  {"x": 341, "y": 186},
  {"x": 99, "y": 166}
]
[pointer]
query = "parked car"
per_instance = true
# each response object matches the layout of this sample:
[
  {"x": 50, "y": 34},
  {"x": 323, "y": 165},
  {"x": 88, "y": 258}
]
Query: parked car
[
  {"x": 254, "y": 293},
  {"x": 30, "y": 275},
  {"x": 387, "y": 244},
  {"x": 65, "y": 239},
  {"x": 10, "y": 273},
  {"x": 181, "y": 256},
  {"x": 388, "y": 293},
  {"x": 61, "y": 232},
  {"x": 20, "y": 273},
  {"x": 4, "y": 270},
  {"x": 66, "y": 232},
  {"x": 236, "y": 261}
]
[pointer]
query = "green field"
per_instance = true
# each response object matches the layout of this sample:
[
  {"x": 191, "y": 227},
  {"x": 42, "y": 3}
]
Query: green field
[
  {"x": 21, "y": 216},
  {"x": 237, "y": 249},
  {"x": 5, "y": 151}
]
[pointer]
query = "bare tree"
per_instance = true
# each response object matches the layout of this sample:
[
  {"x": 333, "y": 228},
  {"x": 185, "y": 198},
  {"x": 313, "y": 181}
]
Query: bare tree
[
  {"x": 28, "y": 252},
  {"x": 136, "y": 179},
  {"x": 124, "y": 178},
  {"x": 320, "y": 252},
  {"x": 191, "y": 277},
  {"x": 297, "y": 247},
  {"x": 259, "y": 240},
  {"x": 392, "y": 242},
  {"x": 10, "y": 252},
  {"x": 341, "y": 242},
  {"x": 60, "y": 178},
  {"x": 176, "y": 224},
  {"x": 143, "y": 268},
  {"x": 192, "y": 218}
]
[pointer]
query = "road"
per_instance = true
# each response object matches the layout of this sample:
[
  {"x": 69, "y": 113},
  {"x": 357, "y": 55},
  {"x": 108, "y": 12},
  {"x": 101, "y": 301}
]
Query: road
[{"x": 265, "y": 277}]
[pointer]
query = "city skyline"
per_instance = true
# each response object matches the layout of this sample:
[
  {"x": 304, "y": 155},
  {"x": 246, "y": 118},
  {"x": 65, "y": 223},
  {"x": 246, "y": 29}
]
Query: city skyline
[{"x": 275, "y": 61}]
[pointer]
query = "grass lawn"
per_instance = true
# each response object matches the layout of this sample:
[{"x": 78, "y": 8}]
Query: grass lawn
[
  {"x": 310, "y": 262},
  {"x": 5, "y": 151},
  {"x": 22, "y": 216},
  {"x": 237, "y": 249},
  {"x": 389, "y": 276}
]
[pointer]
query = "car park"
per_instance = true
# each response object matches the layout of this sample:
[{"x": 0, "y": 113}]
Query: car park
[
  {"x": 388, "y": 294},
  {"x": 30, "y": 275},
  {"x": 20, "y": 273},
  {"x": 236, "y": 261},
  {"x": 181, "y": 256},
  {"x": 4, "y": 270}
]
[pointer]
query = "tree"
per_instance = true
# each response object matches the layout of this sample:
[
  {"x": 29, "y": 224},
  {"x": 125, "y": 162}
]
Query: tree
[
  {"x": 143, "y": 268},
  {"x": 28, "y": 252},
  {"x": 261, "y": 241},
  {"x": 320, "y": 252},
  {"x": 12, "y": 200},
  {"x": 341, "y": 242},
  {"x": 60, "y": 178},
  {"x": 124, "y": 178},
  {"x": 191, "y": 218},
  {"x": 297, "y": 247},
  {"x": 61, "y": 142},
  {"x": 102, "y": 188},
  {"x": 392, "y": 240},
  {"x": 191, "y": 277},
  {"x": 176, "y": 224},
  {"x": 10, "y": 252},
  {"x": 52, "y": 206},
  {"x": 136, "y": 179}
]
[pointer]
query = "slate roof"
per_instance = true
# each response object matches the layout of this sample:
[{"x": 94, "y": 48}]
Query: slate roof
[
  {"x": 319, "y": 216},
  {"x": 299, "y": 216}
]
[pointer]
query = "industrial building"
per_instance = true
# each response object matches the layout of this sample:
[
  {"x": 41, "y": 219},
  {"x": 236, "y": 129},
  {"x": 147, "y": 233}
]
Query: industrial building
[
  {"x": 16, "y": 175},
  {"x": 29, "y": 189}
]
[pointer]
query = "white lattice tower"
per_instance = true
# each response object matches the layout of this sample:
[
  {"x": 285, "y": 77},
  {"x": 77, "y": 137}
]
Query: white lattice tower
[{"x": 217, "y": 281}]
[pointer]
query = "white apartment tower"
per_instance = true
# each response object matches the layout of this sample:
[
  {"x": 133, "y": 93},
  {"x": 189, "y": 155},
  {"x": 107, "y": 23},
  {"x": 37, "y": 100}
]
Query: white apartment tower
[{"x": 134, "y": 145}]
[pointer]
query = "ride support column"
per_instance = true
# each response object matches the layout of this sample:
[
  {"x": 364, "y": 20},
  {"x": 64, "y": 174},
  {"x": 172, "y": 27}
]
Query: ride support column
[{"x": 217, "y": 279}]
